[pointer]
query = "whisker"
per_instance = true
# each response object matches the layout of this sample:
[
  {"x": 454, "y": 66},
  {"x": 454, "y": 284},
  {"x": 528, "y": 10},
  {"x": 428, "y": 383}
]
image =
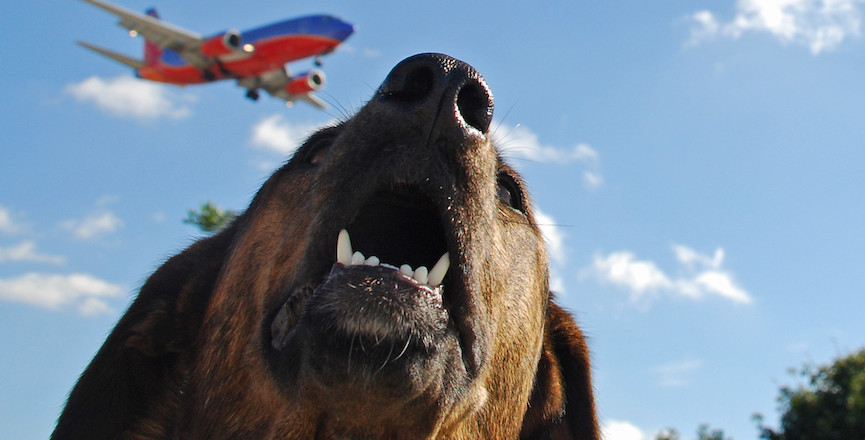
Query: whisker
[
  {"x": 350, "y": 349},
  {"x": 408, "y": 341},
  {"x": 386, "y": 359}
]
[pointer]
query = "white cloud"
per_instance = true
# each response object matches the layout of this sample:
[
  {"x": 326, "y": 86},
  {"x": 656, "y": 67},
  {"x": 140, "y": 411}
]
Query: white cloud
[
  {"x": 622, "y": 268},
  {"x": 278, "y": 135},
  {"x": 53, "y": 291},
  {"x": 26, "y": 252},
  {"x": 555, "y": 241},
  {"x": 702, "y": 275},
  {"x": 93, "y": 307},
  {"x": 592, "y": 180},
  {"x": 621, "y": 430},
  {"x": 8, "y": 224},
  {"x": 557, "y": 283},
  {"x": 365, "y": 52},
  {"x": 690, "y": 257},
  {"x": 678, "y": 374},
  {"x": 522, "y": 143},
  {"x": 126, "y": 96},
  {"x": 721, "y": 283},
  {"x": 820, "y": 25},
  {"x": 94, "y": 225},
  {"x": 552, "y": 235},
  {"x": 370, "y": 53}
]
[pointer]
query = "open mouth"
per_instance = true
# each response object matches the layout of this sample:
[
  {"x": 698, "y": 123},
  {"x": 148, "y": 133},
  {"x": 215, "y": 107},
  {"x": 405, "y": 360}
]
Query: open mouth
[
  {"x": 401, "y": 229},
  {"x": 387, "y": 281},
  {"x": 421, "y": 275}
]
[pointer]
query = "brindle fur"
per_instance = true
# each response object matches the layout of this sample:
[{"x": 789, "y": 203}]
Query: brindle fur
[{"x": 221, "y": 342}]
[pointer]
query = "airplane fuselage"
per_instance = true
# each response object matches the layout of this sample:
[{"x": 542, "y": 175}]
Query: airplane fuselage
[
  {"x": 256, "y": 59},
  {"x": 274, "y": 46}
]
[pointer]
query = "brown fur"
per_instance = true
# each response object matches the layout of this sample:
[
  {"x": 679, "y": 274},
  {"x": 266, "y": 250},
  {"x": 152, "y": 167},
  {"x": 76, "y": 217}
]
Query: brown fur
[{"x": 244, "y": 335}]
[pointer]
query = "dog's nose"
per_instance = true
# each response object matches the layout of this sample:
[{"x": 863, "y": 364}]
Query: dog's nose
[{"x": 442, "y": 88}]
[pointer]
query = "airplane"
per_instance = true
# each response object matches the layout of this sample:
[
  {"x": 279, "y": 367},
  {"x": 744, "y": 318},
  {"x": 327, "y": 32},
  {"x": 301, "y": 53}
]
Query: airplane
[{"x": 256, "y": 58}]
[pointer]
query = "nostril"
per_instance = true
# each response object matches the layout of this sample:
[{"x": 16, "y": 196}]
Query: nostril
[
  {"x": 415, "y": 85},
  {"x": 475, "y": 106}
]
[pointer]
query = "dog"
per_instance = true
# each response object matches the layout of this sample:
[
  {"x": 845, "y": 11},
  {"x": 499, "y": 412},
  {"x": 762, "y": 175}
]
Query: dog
[{"x": 388, "y": 282}]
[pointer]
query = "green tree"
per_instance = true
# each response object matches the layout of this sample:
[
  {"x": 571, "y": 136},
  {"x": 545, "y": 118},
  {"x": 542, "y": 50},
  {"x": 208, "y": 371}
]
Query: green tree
[
  {"x": 668, "y": 434},
  {"x": 828, "y": 405},
  {"x": 210, "y": 218},
  {"x": 703, "y": 433}
]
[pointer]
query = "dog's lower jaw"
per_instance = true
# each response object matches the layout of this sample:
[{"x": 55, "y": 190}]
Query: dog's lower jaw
[
  {"x": 379, "y": 392},
  {"x": 463, "y": 420}
]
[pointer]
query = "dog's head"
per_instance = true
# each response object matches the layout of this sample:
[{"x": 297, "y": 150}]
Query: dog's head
[{"x": 388, "y": 282}]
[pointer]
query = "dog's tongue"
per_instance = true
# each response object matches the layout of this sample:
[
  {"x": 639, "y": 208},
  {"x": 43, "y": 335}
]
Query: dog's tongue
[{"x": 346, "y": 256}]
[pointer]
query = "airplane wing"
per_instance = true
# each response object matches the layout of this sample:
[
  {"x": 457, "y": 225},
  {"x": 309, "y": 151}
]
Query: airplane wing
[
  {"x": 313, "y": 100},
  {"x": 131, "y": 62},
  {"x": 163, "y": 34},
  {"x": 152, "y": 29}
]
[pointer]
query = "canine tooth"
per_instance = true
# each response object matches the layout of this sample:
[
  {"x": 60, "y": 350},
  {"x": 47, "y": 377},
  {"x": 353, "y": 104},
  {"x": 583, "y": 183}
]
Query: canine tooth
[
  {"x": 357, "y": 258},
  {"x": 437, "y": 273},
  {"x": 421, "y": 275},
  {"x": 406, "y": 270},
  {"x": 343, "y": 248},
  {"x": 372, "y": 261}
]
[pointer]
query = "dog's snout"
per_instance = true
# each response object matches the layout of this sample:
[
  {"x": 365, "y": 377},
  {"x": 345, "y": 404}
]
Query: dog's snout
[
  {"x": 443, "y": 86},
  {"x": 412, "y": 81}
]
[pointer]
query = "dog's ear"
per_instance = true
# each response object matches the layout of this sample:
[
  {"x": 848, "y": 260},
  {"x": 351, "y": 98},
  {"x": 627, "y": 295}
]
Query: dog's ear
[
  {"x": 562, "y": 405},
  {"x": 137, "y": 370}
]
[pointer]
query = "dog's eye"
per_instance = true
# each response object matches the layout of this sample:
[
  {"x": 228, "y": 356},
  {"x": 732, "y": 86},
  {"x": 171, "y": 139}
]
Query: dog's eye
[
  {"x": 318, "y": 151},
  {"x": 316, "y": 147},
  {"x": 510, "y": 192},
  {"x": 318, "y": 156}
]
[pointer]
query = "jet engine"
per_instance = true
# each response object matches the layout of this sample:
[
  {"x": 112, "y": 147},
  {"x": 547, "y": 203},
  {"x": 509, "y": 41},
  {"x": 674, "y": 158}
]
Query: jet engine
[
  {"x": 306, "y": 82},
  {"x": 229, "y": 42}
]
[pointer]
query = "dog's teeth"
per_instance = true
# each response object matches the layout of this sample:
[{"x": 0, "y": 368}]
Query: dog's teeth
[
  {"x": 421, "y": 275},
  {"x": 347, "y": 256},
  {"x": 343, "y": 248},
  {"x": 437, "y": 273},
  {"x": 406, "y": 270}
]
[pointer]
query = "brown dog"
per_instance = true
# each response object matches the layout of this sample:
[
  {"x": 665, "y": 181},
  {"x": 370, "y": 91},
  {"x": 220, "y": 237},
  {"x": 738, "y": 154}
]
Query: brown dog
[{"x": 275, "y": 329}]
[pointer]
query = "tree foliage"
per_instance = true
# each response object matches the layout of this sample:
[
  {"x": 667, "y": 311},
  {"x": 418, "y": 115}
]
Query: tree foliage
[
  {"x": 210, "y": 218},
  {"x": 668, "y": 434},
  {"x": 828, "y": 405},
  {"x": 703, "y": 433}
]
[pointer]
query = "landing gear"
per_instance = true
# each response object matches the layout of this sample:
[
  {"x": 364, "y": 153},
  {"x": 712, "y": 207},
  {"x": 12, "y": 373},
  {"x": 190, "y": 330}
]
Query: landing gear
[
  {"x": 252, "y": 94},
  {"x": 222, "y": 69},
  {"x": 215, "y": 71},
  {"x": 317, "y": 61}
]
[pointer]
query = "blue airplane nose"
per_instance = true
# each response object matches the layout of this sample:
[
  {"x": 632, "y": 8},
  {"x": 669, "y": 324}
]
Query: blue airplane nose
[
  {"x": 341, "y": 29},
  {"x": 332, "y": 27}
]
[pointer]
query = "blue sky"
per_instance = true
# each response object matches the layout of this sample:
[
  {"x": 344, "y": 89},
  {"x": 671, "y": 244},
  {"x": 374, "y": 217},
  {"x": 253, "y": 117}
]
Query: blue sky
[{"x": 698, "y": 166}]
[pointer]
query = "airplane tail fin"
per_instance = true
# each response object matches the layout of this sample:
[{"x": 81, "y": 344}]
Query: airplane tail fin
[{"x": 152, "y": 52}]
